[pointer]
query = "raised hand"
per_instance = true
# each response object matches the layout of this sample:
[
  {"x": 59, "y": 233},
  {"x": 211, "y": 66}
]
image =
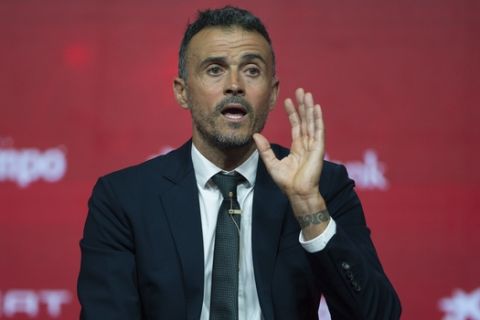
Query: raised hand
[{"x": 298, "y": 174}]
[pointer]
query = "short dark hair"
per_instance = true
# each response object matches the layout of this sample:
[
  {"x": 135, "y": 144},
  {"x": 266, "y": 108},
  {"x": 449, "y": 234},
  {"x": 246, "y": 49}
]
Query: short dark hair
[{"x": 223, "y": 17}]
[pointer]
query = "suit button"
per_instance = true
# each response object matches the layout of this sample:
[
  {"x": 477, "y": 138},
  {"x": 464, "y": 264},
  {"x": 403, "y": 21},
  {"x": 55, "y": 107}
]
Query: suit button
[
  {"x": 349, "y": 274},
  {"x": 345, "y": 266},
  {"x": 356, "y": 286}
]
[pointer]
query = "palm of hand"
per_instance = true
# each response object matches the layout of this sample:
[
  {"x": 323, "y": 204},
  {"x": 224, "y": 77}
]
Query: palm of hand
[{"x": 298, "y": 174}]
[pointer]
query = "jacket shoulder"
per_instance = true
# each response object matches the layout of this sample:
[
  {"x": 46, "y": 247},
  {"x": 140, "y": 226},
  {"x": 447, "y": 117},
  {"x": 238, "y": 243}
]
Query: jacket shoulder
[{"x": 153, "y": 170}]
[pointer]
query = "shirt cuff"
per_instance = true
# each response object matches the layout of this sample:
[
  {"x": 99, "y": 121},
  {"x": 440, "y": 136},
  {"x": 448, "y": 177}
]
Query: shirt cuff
[{"x": 320, "y": 242}]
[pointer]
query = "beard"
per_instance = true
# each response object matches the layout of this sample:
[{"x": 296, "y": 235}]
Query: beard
[{"x": 227, "y": 135}]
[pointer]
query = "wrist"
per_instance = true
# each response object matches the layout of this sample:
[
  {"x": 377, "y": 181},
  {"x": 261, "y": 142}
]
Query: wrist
[
  {"x": 311, "y": 213},
  {"x": 307, "y": 203},
  {"x": 314, "y": 224}
]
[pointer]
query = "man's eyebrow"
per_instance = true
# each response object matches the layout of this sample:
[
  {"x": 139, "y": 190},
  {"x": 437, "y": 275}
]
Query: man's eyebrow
[
  {"x": 223, "y": 60},
  {"x": 252, "y": 56},
  {"x": 210, "y": 60}
]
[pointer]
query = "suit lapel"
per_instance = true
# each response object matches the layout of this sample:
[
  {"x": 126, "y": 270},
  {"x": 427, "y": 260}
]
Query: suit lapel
[
  {"x": 181, "y": 205},
  {"x": 269, "y": 206}
]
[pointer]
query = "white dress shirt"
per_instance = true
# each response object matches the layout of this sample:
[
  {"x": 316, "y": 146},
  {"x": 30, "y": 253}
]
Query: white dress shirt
[{"x": 210, "y": 200}]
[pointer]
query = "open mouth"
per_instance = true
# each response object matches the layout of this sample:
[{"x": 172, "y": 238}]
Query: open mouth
[{"x": 234, "y": 112}]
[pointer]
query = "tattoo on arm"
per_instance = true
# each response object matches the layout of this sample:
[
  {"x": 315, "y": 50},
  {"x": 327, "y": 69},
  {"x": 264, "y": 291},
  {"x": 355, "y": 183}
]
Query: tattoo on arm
[{"x": 313, "y": 218}]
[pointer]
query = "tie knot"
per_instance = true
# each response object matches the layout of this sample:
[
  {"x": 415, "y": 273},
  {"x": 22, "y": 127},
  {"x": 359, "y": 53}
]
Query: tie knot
[{"x": 227, "y": 183}]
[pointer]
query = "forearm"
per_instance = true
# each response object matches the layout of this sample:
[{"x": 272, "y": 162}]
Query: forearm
[
  {"x": 352, "y": 280},
  {"x": 106, "y": 286},
  {"x": 311, "y": 213},
  {"x": 348, "y": 270}
]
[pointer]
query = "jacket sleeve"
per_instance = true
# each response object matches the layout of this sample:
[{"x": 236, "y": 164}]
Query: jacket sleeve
[
  {"x": 107, "y": 287},
  {"x": 348, "y": 270}
]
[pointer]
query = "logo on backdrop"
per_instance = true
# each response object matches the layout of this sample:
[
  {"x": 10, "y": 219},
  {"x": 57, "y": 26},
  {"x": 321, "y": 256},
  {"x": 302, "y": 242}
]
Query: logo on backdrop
[
  {"x": 21, "y": 302},
  {"x": 24, "y": 166},
  {"x": 461, "y": 305},
  {"x": 368, "y": 173}
]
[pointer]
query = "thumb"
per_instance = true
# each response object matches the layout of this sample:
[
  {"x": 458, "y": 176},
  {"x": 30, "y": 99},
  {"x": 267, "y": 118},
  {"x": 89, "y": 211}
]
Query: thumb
[{"x": 265, "y": 150}]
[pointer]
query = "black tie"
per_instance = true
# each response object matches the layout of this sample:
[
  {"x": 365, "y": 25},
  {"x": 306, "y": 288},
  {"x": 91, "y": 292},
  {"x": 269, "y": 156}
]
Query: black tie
[{"x": 224, "y": 294}]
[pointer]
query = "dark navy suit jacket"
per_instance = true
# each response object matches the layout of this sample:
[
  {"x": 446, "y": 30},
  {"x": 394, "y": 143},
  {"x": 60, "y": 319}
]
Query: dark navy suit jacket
[{"x": 142, "y": 251}]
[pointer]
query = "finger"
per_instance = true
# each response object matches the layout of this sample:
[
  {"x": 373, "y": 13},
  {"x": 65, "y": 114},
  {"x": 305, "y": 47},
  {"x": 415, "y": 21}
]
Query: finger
[
  {"x": 319, "y": 125},
  {"x": 309, "y": 115},
  {"x": 300, "y": 95},
  {"x": 265, "y": 151},
  {"x": 293, "y": 118}
]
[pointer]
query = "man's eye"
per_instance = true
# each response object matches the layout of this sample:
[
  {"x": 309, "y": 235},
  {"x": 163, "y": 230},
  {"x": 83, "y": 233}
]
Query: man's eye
[
  {"x": 214, "y": 70},
  {"x": 253, "y": 71}
]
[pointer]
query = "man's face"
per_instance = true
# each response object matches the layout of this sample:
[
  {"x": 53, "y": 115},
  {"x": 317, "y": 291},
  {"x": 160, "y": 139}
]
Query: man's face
[{"x": 230, "y": 88}]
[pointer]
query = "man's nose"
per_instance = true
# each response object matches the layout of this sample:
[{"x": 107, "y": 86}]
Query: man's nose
[{"x": 234, "y": 84}]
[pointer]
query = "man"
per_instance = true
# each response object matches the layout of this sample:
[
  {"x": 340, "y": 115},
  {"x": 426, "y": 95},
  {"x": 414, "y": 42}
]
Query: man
[{"x": 165, "y": 240}]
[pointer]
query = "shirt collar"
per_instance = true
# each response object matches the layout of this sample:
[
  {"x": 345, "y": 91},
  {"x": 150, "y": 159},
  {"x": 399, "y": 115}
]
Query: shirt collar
[{"x": 205, "y": 170}]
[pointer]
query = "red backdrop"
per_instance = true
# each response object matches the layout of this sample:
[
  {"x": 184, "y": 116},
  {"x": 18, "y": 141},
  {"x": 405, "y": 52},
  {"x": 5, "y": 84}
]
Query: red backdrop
[{"x": 86, "y": 88}]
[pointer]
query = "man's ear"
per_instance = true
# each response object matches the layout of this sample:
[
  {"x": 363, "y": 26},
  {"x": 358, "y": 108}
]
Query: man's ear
[
  {"x": 180, "y": 91},
  {"x": 274, "y": 94}
]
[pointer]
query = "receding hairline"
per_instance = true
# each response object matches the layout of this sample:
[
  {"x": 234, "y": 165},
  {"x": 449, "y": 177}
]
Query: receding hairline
[
  {"x": 227, "y": 16},
  {"x": 232, "y": 28}
]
